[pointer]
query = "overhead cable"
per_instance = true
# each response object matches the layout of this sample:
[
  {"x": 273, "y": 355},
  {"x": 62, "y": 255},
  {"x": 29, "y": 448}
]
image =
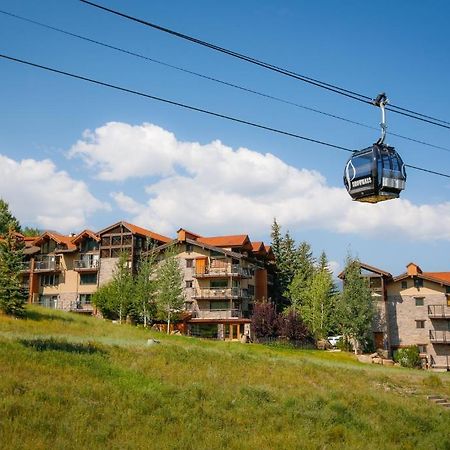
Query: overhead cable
[
  {"x": 194, "y": 108},
  {"x": 216, "y": 80},
  {"x": 330, "y": 87}
]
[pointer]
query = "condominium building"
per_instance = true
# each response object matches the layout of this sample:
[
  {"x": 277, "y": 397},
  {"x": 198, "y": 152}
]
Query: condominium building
[
  {"x": 412, "y": 309},
  {"x": 223, "y": 277}
]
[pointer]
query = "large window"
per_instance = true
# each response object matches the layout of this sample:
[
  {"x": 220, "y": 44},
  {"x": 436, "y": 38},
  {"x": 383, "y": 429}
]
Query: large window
[
  {"x": 219, "y": 283},
  {"x": 404, "y": 284},
  {"x": 51, "y": 279},
  {"x": 217, "y": 306},
  {"x": 88, "y": 278},
  {"x": 418, "y": 282},
  {"x": 419, "y": 301},
  {"x": 85, "y": 299}
]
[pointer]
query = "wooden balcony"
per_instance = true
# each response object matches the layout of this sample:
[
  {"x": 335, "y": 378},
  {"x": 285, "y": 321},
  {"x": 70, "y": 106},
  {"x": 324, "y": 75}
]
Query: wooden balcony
[
  {"x": 82, "y": 308},
  {"x": 86, "y": 265},
  {"x": 25, "y": 266},
  {"x": 230, "y": 270},
  {"x": 439, "y": 337},
  {"x": 221, "y": 293},
  {"x": 217, "y": 314},
  {"x": 47, "y": 265},
  {"x": 438, "y": 311}
]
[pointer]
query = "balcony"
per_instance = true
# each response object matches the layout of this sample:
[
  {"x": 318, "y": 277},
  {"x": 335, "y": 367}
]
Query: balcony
[
  {"x": 217, "y": 314},
  {"x": 221, "y": 293},
  {"x": 85, "y": 264},
  {"x": 440, "y": 337},
  {"x": 438, "y": 312},
  {"x": 80, "y": 307},
  {"x": 47, "y": 265},
  {"x": 230, "y": 270}
]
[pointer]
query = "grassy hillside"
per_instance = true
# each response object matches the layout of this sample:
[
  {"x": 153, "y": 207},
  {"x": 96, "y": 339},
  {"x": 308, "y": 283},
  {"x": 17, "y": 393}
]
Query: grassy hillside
[{"x": 79, "y": 382}]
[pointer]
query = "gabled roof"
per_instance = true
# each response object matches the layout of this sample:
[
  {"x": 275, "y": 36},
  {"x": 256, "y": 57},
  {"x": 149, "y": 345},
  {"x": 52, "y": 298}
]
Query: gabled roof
[
  {"x": 269, "y": 251},
  {"x": 442, "y": 278},
  {"x": 238, "y": 240},
  {"x": 84, "y": 234},
  {"x": 373, "y": 269},
  {"x": 258, "y": 247},
  {"x": 137, "y": 230},
  {"x": 58, "y": 238}
]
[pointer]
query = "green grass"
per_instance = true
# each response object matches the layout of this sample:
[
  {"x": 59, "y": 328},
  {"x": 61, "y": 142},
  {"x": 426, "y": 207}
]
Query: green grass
[{"x": 79, "y": 382}]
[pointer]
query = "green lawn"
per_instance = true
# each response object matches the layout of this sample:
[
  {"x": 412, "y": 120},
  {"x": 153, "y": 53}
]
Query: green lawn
[{"x": 79, "y": 382}]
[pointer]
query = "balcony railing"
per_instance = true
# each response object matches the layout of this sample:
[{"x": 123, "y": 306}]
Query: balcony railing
[
  {"x": 229, "y": 270},
  {"x": 85, "y": 264},
  {"x": 47, "y": 265},
  {"x": 78, "y": 306},
  {"x": 439, "y": 311},
  {"x": 217, "y": 314},
  {"x": 440, "y": 337},
  {"x": 221, "y": 293}
]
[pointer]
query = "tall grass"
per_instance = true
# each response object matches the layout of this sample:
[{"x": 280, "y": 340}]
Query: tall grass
[{"x": 70, "y": 382}]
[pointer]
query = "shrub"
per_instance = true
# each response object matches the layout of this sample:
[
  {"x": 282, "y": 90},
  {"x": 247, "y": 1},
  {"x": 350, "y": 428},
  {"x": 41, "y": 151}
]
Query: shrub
[{"x": 408, "y": 357}]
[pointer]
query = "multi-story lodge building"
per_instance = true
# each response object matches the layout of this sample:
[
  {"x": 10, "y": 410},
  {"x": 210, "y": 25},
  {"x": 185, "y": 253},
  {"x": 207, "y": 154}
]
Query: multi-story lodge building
[
  {"x": 412, "y": 309},
  {"x": 223, "y": 277}
]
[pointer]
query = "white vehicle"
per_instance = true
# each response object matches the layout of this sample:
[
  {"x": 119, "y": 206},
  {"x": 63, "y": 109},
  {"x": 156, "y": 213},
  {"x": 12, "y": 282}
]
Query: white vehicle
[{"x": 333, "y": 340}]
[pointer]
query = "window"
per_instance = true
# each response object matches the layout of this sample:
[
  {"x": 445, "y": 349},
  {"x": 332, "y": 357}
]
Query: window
[
  {"x": 49, "y": 280},
  {"x": 420, "y": 323},
  {"x": 404, "y": 284},
  {"x": 88, "y": 278},
  {"x": 422, "y": 348},
  {"x": 218, "y": 306},
  {"x": 189, "y": 263},
  {"x": 447, "y": 289},
  {"x": 251, "y": 290},
  {"x": 419, "y": 301},
  {"x": 85, "y": 299},
  {"x": 219, "y": 283},
  {"x": 189, "y": 248},
  {"x": 189, "y": 284},
  {"x": 418, "y": 283}
]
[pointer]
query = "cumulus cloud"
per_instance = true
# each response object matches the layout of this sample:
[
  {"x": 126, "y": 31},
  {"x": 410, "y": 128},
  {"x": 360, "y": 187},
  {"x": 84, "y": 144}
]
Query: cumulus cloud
[
  {"x": 214, "y": 188},
  {"x": 40, "y": 194}
]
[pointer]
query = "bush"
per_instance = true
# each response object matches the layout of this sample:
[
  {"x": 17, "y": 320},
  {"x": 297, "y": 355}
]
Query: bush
[{"x": 408, "y": 357}]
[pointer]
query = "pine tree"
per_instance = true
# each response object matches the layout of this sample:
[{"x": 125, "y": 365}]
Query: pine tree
[
  {"x": 356, "y": 307},
  {"x": 303, "y": 274},
  {"x": 169, "y": 297},
  {"x": 7, "y": 220},
  {"x": 145, "y": 288},
  {"x": 276, "y": 241},
  {"x": 31, "y": 232},
  {"x": 12, "y": 295}
]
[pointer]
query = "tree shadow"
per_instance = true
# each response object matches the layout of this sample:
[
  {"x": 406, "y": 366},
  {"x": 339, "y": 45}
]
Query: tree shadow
[
  {"x": 42, "y": 345},
  {"x": 38, "y": 316}
]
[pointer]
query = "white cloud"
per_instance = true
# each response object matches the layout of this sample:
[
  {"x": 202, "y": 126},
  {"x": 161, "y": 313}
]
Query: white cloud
[
  {"x": 213, "y": 188},
  {"x": 39, "y": 194}
]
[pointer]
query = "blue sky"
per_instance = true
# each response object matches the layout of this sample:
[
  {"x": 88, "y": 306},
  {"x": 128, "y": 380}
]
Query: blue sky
[{"x": 165, "y": 168}]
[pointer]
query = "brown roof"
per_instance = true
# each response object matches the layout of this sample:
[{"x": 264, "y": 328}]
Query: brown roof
[
  {"x": 144, "y": 232},
  {"x": 58, "y": 238},
  {"x": 443, "y": 276},
  {"x": 83, "y": 234},
  {"x": 369, "y": 268},
  {"x": 238, "y": 240}
]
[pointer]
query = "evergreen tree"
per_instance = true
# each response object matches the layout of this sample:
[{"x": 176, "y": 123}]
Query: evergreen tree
[
  {"x": 276, "y": 241},
  {"x": 303, "y": 275},
  {"x": 169, "y": 296},
  {"x": 7, "y": 220},
  {"x": 145, "y": 288},
  {"x": 12, "y": 295},
  {"x": 356, "y": 307}
]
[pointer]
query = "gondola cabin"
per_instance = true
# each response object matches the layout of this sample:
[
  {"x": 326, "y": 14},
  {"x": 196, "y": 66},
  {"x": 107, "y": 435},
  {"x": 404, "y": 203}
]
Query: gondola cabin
[{"x": 375, "y": 174}]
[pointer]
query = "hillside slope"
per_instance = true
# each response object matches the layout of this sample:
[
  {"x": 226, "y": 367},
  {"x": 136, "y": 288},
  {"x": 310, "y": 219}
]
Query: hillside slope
[{"x": 83, "y": 383}]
